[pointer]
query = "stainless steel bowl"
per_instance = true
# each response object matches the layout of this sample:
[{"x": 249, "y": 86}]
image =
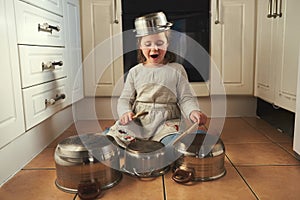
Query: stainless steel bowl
[{"x": 151, "y": 23}]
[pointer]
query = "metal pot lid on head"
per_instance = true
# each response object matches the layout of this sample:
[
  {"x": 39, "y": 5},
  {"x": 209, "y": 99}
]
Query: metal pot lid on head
[{"x": 151, "y": 24}]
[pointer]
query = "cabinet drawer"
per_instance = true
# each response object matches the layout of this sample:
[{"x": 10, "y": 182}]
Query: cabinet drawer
[
  {"x": 42, "y": 101},
  {"x": 41, "y": 64},
  {"x": 54, "y": 6},
  {"x": 38, "y": 27}
]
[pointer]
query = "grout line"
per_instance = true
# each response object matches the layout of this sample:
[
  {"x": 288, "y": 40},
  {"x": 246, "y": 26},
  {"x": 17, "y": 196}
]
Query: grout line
[
  {"x": 38, "y": 169},
  {"x": 164, "y": 187},
  {"x": 268, "y": 165},
  {"x": 243, "y": 178}
]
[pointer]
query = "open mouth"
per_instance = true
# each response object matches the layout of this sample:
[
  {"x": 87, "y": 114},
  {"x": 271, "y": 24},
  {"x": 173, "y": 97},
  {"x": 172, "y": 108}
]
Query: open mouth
[{"x": 154, "y": 56}]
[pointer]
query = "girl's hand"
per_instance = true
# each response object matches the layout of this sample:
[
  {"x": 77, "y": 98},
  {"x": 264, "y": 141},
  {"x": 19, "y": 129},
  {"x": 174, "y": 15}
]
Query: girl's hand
[
  {"x": 199, "y": 117},
  {"x": 126, "y": 118}
]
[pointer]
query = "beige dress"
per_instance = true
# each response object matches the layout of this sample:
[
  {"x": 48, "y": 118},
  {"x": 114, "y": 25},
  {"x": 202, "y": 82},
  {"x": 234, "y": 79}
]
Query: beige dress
[{"x": 164, "y": 92}]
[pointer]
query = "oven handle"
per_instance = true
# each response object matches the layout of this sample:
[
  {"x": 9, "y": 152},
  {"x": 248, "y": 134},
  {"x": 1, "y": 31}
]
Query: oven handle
[
  {"x": 217, "y": 21},
  {"x": 270, "y": 7},
  {"x": 116, "y": 21},
  {"x": 279, "y": 10}
]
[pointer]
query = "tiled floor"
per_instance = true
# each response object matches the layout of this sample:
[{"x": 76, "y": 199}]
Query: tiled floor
[{"x": 260, "y": 164}]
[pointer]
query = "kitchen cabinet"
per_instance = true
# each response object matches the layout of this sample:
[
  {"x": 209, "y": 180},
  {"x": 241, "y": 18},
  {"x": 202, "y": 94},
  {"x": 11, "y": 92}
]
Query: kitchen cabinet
[
  {"x": 296, "y": 142},
  {"x": 73, "y": 49},
  {"x": 232, "y": 44},
  {"x": 277, "y": 60},
  {"x": 41, "y": 44},
  {"x": 40, "y": 55},
  {"x": 102, "y": 46},
  {"x": 11, "y": 117}
]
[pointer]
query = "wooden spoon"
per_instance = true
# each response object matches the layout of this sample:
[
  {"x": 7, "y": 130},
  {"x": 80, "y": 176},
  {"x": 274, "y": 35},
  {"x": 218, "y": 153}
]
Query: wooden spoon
[
  {"x": 139, "y": 114},
  {"x": 189, "y": 130}
]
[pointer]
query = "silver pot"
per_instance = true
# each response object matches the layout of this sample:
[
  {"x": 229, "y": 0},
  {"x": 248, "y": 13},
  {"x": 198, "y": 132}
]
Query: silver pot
[
  {"x": 145, "y": 158},
  {"x": 151, "y": 23},
  {"x": 202, "y": 158},
  {"x": 86, "y": 160}
]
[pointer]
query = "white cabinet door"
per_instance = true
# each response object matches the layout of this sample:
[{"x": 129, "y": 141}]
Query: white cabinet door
[
  {"x": 265, "y": 60},
  {"x": 277, "y": 52},
  {"x": 287, "y": 61},
  {"x": 11, "y": 115},
  {"x": 73, "y": 49},
  {"x": 296, "y": 142},
  {"x": 232, "y": 43},
  {"x": 102, "y": 46},
  {"x": 40, "y": 64},
  {"x": 54, "y": 6},
  {"x": 44, "y": 100},
  {"x": 38, "y": 27}
]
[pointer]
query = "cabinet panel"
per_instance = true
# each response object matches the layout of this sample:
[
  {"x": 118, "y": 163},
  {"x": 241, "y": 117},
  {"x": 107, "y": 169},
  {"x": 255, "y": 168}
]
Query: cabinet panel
[
  {"x": 277, "y": 60},
  {"x": 11, "y": 115},
  {"x": 34, "y": 26},
  {"x": 102, "y": 70},
  {"x": 54, "y": 6},
  {"x": 265, "y": 61},
  {"x": 73, "y": 49},
  {"x": 233, "y": 44},
  {"x": 42, "y": 101},
  {"x": 41, "y": 64},
  {"x": 289, "y": 43}
]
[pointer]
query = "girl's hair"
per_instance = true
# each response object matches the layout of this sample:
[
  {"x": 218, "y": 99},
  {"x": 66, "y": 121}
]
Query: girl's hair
[{"x": 169, "y": 57}]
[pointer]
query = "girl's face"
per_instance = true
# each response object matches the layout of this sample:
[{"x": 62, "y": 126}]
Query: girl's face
[{"x": 154, "y": 48}]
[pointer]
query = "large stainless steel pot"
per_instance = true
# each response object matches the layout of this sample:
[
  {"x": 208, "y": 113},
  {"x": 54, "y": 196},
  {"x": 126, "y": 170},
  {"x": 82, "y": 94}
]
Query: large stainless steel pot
[
  {"x": 145, "y": 158},
  {"x": 202, "y": 158},
  {"x": 86, "y": 160}
]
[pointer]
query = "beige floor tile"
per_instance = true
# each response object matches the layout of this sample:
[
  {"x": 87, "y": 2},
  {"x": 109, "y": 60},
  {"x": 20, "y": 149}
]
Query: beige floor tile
[
  {"x": 269, "y": 131},
  {"x": 133, "y": 188},
  {"x": 243, "y": 135},
  {"x": 257, "y": 122},
  {"x": 288, "y": 146},
  {"x": 259, "y": 154},
  {"x": 33, "y": 185},
  {"x": 276, "y": 136},
  {"x": 273, "y": 182},
  {"x": 235, "y": 123},
  {"x": 45, "y": 160},
  {"x": 61, "y": 137},
  {"x": 91, "y": 126},
  {"x": 228, "y": 187}
]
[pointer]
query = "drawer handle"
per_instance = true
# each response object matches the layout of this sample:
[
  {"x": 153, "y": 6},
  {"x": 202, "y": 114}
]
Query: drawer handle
[
  {"x": 47, "y": 28},
  {"x": 54, "y": 100},
  {"x": 51, "y": 65}
]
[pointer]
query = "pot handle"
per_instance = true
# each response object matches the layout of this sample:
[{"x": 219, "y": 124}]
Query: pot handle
[{"x": 182, "y": 176}]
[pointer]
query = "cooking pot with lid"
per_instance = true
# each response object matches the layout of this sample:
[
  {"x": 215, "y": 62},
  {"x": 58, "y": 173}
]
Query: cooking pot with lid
[
  {"x": 202, "y": 158},
  {"x": 145, "y": 158},
  {"x": 87, "y": 159}
]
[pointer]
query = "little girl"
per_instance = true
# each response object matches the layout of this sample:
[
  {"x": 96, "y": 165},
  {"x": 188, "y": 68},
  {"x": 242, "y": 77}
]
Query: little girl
[{"x": 157, "y": 85}]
